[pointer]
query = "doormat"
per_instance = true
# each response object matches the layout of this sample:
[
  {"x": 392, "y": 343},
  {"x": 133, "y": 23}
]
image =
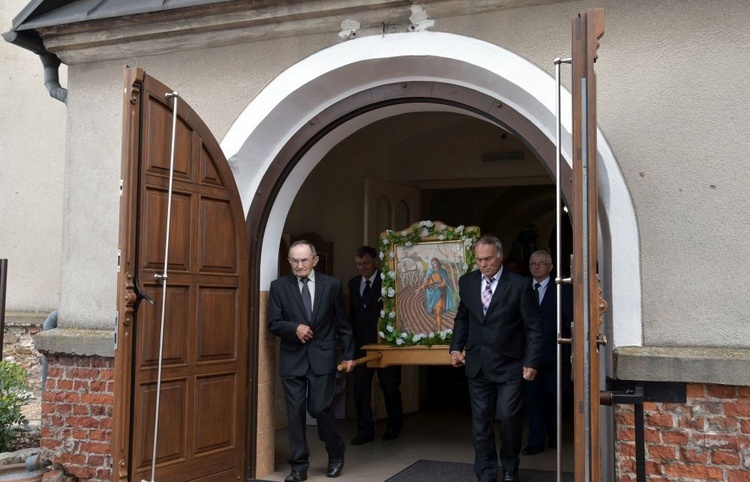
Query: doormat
[{"x": 434, "y": 471}]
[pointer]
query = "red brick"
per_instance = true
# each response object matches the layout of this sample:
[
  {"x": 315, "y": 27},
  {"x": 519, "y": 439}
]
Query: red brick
[
  {"x": 696, "y": 423},
  {"x": 674, "y": 437},
  {"x": 725, "y": 457},
  {"x": 626, "y": 449},
  {"x": 653, "y": 468},
  {"x": 721, "y": 391},
  {"x": 626, "y": 418},
  {"x": 64, "y": 385},
  {"x": 81, "y": 386},
  {"x": 723, "y": 425},
  {"x": 745, "y": 426},
  {"x": 694, "y": 456},
  {"x": 694, "y": 471},
  {"x": 738, "y": 409},
  {"x": 651, "y": 407},
  {"x": 719, "y": 441},
  {"x": 627, "y": 466},
  {"x": 743, "y": 393},
  {"x": 738, "y": 475},
  {"x": 662, "y": 452},
  {"x": 695, "y": 390},
  {"x": 665, "y": 420},
  {"x": 652, "y": 435}
]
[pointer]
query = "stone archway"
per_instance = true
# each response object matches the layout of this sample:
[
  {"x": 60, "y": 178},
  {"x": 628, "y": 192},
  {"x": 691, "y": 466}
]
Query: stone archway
[{"x": 290, "y": 126}]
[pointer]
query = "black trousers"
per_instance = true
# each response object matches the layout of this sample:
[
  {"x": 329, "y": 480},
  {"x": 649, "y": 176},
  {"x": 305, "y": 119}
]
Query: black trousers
[
  {"x": 390, "y": 382},
  {"x": 314, "y": 393},
  {"x": 491, "y": 401}
]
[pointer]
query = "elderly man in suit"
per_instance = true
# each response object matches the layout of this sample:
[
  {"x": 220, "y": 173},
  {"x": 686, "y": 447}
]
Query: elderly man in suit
[
  {"x": 365, "y": 306},
  {"x": 306, "y": 311},
  {"x": 541, "y": 392},
  {"x": 498, "y": 324}
]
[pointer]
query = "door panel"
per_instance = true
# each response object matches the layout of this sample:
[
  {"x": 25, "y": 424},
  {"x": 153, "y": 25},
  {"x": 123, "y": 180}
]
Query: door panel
[
  {"x": 202, "y": 412},
  {"x": 587, "y": 29}
]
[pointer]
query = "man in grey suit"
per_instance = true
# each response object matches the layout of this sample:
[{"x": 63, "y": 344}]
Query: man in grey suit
[
  {"x": 499, "y": 325},
  {"x": 306, "y": 311}
]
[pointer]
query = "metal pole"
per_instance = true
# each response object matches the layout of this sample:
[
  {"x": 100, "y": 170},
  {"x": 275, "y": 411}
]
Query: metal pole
[
  {"x": 586, "y": 283},
  {"x": 3, "y": 285},
  {"x": 558, "y": 271},
  {"x": 163, "y": 278}
]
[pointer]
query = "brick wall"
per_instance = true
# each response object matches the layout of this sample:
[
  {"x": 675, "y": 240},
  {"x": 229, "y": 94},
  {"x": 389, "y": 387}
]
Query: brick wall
[
  {"x": 77, "y": 416},
  {"x": 705, "y": 439},
  {"x": 18, "y": 346}
]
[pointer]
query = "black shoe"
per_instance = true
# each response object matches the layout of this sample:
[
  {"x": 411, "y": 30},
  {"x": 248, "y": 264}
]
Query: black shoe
[
  {"x": 391, "y": 434},
  {"x": 510, "y": 477},
  {"x": 296, "y": 476},
  {"x": 362, "y": 439},
  {"x": 335, "y": 466},
  {"x": 532, "y": 450}
]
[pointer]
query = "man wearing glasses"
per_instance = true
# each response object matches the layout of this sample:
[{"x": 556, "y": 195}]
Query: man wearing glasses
[
  {"x": 306, "y": 311},
  {"x": 541, "y": 392}
]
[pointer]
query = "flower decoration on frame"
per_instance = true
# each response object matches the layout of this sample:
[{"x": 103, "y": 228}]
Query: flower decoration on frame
[{"x": 420, "y": 269}]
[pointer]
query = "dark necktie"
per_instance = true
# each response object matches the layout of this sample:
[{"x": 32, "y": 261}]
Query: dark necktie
[
  {"x": 487, "y": 294},
  {"x": 536, "y": 292},
  {"x": 366, "y": 292},
  {"x": 306, "y": 298}
]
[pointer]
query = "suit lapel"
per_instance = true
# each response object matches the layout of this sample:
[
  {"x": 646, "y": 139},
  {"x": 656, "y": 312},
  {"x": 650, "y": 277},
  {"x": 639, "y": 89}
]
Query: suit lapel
[
  {"x": 500, "y": 289},
  {"x": 320, "y": 288}
]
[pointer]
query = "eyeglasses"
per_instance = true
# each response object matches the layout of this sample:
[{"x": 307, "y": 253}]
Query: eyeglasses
[
  {"x": 534, "y": 265},
  {"x": 300, "y": 261}
]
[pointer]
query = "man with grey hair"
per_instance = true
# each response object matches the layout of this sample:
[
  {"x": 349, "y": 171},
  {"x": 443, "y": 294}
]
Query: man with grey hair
[
  {"x": 498, "y": 324},
  {"x": 306, "y": 312},
  {"x": 541, "y": 392}
]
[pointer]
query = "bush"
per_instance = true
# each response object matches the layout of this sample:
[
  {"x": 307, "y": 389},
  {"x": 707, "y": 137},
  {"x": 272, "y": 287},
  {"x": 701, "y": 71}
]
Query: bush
[{"x": 13, "y": 394}]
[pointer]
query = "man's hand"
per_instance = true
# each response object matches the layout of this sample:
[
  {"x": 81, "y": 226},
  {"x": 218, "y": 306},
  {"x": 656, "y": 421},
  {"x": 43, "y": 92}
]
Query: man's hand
[
  {"x": 457, "y": 359},
  {"x": 304, "y": 333},
  {"x": 349, "y": 364},
  {"x": 529, "y": 373}
]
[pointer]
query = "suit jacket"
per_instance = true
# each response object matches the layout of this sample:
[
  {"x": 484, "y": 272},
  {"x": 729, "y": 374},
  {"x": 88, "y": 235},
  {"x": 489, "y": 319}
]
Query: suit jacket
[
  {"x": 508, "y": 337},
  {"x": 329, "y": 324},
  {"x": 548, "y": 310},
  {"x": 365, "y": 313}
]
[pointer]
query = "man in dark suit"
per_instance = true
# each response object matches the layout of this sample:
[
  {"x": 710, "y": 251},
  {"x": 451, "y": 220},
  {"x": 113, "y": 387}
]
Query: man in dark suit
[
  {"x": 499, "y": 326},
  {"x": 541, "y": 392},
  {"x": 306, "y": 311},
  {"x": 364, "y": 293}
]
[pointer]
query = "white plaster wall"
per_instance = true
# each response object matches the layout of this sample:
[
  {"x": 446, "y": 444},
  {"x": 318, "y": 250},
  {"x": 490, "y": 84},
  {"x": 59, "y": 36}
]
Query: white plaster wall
[
  {"x": 672, "y": 104},
  {"x": 32, "y": 160}
]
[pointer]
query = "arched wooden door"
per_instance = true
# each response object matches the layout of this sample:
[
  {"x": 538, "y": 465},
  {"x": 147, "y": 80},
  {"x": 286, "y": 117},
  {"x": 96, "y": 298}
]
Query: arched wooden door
[{"x": 203, "y": 401}]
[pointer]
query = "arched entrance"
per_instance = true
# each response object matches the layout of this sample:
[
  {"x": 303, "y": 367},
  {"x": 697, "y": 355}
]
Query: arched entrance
[{"x": 299, "y": 117}]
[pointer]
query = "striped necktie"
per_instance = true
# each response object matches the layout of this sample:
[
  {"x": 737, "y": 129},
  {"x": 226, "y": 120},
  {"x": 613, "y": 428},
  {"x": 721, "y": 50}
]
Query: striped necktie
[{"x": 487, "y": 294}]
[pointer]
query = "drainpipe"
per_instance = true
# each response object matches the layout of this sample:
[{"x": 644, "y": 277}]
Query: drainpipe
[
  {"x": 49, "y": 323},
  {"x": 32, "y": 42}
]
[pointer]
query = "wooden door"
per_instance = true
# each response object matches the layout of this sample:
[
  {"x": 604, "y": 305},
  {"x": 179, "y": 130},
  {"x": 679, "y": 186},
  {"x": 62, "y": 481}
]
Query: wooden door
[
  {"x": 203, "y": 401},
  {"x": 589, "y": 307}
]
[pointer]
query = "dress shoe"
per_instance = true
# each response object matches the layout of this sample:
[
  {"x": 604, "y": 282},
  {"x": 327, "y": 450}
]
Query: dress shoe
[
  {"x": 296, "y": 476},
  {"x": 510, "y": 477},
  {"x": 335, "y": 466},
  {"x": 362, "y": 439},
  {"x": 532, "y": 450},
  {"x": 390, "y": 434}
]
